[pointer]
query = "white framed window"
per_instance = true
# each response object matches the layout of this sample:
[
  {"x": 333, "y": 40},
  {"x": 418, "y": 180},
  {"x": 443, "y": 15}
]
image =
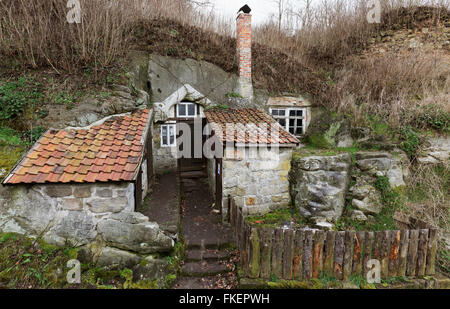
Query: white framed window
[
  {"x": 168, "y": 138},
  {"x": 291, "y": 119},
  {"x": 186, "y": 109}
]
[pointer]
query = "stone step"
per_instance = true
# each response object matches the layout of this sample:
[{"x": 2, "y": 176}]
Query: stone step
[
  {"x": 208, "y": 244},
  {"x": 192, "y": 168},
  {"x": 193, "y": 174},
  {"x": 200, "y": 255},
  {"x": 201, "y": 269}
]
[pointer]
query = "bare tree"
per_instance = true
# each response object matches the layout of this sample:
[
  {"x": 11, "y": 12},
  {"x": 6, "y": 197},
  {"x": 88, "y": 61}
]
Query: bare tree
[{"x": 282, "y": 6}]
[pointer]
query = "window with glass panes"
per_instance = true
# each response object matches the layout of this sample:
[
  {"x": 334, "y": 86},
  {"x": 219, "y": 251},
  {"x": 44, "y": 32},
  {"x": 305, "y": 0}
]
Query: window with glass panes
[
  {"x": 186, "y": 109},
  {"x": 292, "y": 119},
  {"x": 168, "y": 135}
]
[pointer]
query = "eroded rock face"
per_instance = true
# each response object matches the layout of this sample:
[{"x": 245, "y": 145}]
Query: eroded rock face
[
  {"x": 319, "y": 184},
  {"x": 393, "y": 165},
  {"x": 436, "y": 151},
  {"x": 369, "y": 166}
]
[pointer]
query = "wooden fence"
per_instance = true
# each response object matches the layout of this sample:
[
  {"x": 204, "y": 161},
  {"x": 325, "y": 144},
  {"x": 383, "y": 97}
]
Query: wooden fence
[{"x": 304, "y": 254}]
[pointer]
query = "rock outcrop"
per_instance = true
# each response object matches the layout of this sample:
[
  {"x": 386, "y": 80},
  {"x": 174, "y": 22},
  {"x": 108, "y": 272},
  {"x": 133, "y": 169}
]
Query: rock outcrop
[
  {"x": 437, "y": 150},
  {"x": 318, "y": 185},
  {"x": 109, "y": 233}
]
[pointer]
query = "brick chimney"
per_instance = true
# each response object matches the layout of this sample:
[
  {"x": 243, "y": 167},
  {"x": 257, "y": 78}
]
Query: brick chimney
[{"x": 244, "y": 53}]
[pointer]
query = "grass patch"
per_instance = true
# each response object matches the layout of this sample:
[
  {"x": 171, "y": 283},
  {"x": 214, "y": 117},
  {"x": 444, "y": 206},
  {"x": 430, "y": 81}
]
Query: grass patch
[
  {"x": 32, "y": 263},
  {"x": 392, "y": 200},
  {"x": 278, "y": 218}
]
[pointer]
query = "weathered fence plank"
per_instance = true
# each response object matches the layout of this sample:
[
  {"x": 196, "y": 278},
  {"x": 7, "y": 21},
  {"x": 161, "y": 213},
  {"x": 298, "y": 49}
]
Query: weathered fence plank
[
  {"x": 431, "y": 253},
  {"x": 412, "y": 252},
  {"x": 404, "y": 244},
  {"x": 277, "y": 253},
  {"x": 348, "y": 254},
  {"x": 368, "y": 248},
  {"x": 319, "y": 240},
  {"x": 385, "y": 250},
  {"x": 339, "y": 255},
  {"x": 298, "y": 254},
  {"x": 307, "y": 255},
  {"x": 358, "y": 251},
  {"x": 266, "y": 236},
  {"x": 328, "y": 263},
  {"x": 288, "y": 254},
  {"x": 254, "y": 254},
  {"x": 246, "y": 246},
  {"x": 304, "y": 254},
  {"x": 394, "y": 254},
  {"x": 422, "y": 252}
]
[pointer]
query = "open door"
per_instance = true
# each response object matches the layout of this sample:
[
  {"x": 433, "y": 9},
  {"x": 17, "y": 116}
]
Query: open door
[{"x": 219, "y": 191}]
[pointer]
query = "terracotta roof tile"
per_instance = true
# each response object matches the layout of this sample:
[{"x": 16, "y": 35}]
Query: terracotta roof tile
[
  {"x": 249, "y": 126},
  {"x": 110, "y": 151}
]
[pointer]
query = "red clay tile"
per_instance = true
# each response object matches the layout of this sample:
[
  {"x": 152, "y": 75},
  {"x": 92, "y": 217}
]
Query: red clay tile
[{"x": 113, "y": 149}]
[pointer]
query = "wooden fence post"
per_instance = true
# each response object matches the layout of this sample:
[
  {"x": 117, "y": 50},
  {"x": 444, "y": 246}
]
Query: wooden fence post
[
  {"x": 328, "y": 263},
  {"x": 422, "y": 252},
  {"x": 307, "y": 255},
  {"x": 348, "y": 254},
  {"x": 277, "y": 253},
  {"x": 266, "y": 252},
  {"x": 318, "y": 254},
  {"x": 298, "y": 254},
  {"x": 288, "y": 254},
  {"x": 358, "y": 251},
  {"x": 404, "y": 244},
  {"x": 368, "y": 251},
  {"x": 412, "y": 253},
  {"x": 394, "y": 254},
  {"x": 339, "y": 248},
  {"x": 385, "y": 250},
  {"x": 254, "y": 254},
  {"x": 431, "y": 253}
]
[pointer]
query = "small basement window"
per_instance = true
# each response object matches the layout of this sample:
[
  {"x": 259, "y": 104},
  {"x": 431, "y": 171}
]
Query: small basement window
[
  {"x": 168, "y": 135},
  {"x": 186, "y": 109},
  {"x": 291, "y": 119}
]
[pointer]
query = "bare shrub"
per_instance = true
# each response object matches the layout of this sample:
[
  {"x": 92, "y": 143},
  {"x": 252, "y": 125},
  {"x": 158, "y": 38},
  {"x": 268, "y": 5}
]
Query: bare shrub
[{"x": 394, "y": 87}]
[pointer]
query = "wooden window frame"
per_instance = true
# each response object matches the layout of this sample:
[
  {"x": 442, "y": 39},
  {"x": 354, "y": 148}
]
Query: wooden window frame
[
  {"x": 286, "y": 117},
  {"x": 168, "y": 125},
  {"x": 186, "y": 104}
]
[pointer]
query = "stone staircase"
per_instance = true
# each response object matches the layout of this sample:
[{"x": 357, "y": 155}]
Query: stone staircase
[
  {"x": 207, "y": 257},
  {"x": 203, "y": 267}
]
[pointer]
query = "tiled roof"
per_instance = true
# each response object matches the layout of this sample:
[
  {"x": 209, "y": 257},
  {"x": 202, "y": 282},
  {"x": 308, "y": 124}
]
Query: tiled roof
[
  {"x": 260, "y": 127},
  {"x": 287, "y": 102},
  {"x": 110, "y": 151}
]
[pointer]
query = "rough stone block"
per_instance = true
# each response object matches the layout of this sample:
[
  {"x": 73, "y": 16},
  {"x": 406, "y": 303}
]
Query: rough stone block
[
  {"x": 250, "y": 201},
  {"x": 143, "y": 238},
  {"x": 104, "y": 192},
  {"x": 82, "y": 191},
  {"x": 100, "y": 205},
  {"x": 72, "y": 204},
  {"x": 58, "y": 190},
  {"x": 112, "y": 257}
]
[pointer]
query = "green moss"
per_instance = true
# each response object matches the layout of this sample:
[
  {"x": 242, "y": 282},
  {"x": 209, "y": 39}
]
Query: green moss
[
  {"x": 276, "y": 218},
  {"x": 318, "y": 140},
  {"x": 391, "y": 199}
]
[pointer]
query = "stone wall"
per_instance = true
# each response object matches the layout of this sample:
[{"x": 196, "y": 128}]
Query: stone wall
[
  {"x": 98, "y": 216},
  {"x": 258, "y": 179},
  {"x": 164, "y": 158}
]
